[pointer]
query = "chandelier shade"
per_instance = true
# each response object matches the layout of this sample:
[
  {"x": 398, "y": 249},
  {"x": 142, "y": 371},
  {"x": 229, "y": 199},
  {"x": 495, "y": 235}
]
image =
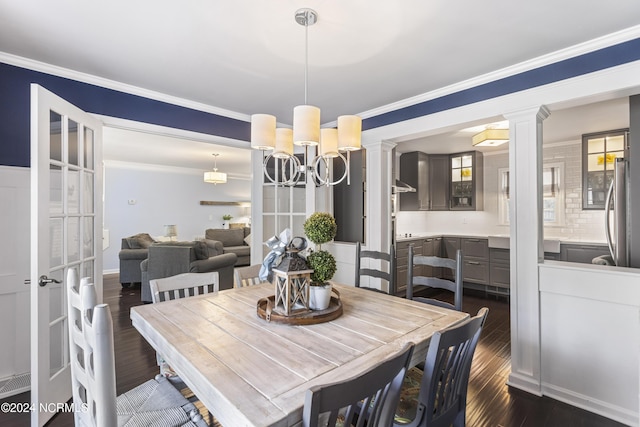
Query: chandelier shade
[
  {"x": 263, "y": 131},
  {"x": 349, "y": 133},
  {"x": 284, "y": 143},
  {"x": 328, "y": 143},
  {"x": 306, "y": 125},
  {"x": 215, "y": 177}
]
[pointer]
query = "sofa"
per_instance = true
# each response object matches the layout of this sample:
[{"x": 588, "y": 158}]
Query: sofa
[
  {"x": 134, "y": 250},
  {"x": 233, "y": 240},
  {"x": 171, "y": 258}
]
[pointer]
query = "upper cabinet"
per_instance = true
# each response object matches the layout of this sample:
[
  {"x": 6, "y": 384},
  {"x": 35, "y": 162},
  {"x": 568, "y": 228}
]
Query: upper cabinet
[
  {"x": 442, "y": 181},
  {"x": 414, "y": 170},
  {"x": 599, "y": 152},
  {"x": 466, "y": 181}
]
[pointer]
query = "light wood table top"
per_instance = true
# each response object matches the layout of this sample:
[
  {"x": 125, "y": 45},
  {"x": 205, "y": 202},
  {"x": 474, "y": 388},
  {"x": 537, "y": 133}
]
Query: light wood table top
[{"x": 249, "y": 372}]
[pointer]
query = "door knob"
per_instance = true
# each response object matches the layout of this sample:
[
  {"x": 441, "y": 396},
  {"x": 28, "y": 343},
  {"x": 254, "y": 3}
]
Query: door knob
[{"x": 44, "y": 280}]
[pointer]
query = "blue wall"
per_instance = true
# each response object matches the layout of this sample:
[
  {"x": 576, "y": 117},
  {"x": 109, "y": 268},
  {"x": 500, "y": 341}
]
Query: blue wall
[
  {"x": 15, "y": 111},
  {"x": 15, "y": 95}
]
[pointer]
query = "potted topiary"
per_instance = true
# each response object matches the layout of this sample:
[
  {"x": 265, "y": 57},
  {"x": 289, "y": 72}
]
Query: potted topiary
[{"x": 320, "y": 228}]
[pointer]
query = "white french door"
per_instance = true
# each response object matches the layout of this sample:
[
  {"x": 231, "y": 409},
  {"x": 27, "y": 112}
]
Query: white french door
[{"x": 66, "y": 233}]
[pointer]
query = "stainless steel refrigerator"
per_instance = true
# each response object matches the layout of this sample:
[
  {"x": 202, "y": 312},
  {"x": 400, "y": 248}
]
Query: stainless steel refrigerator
[{"x": 617, "y": 214}]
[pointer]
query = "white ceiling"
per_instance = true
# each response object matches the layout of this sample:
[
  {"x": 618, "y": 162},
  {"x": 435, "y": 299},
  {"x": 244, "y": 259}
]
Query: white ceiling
[{"x": 247, "y": 56}]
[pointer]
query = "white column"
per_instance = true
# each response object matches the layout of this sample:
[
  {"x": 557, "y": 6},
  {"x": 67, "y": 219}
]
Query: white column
[
  {"x": 257, "y": 157},
  {"x": 525, "y": 205},
  {"x": 378, "y": 194}
]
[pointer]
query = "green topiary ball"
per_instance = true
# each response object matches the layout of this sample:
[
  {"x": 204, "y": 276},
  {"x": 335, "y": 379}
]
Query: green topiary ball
[
  {"x": 323, "y": 264},
  {"x": 320, "y": 227}
]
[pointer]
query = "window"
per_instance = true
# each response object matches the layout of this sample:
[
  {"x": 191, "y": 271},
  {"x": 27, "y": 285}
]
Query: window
[
  {"x": 552, "y": 194},
  {"x": 599, "y": 153}
]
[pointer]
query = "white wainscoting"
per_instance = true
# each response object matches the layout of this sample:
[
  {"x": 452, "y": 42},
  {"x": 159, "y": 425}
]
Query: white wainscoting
[
  {"x": 14, "y": 269},
  {"x": 590, "y": 337}
]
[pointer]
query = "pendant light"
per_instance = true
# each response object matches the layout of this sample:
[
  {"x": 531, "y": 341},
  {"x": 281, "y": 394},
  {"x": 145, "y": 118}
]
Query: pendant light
[{"x": 214, "y": 177}]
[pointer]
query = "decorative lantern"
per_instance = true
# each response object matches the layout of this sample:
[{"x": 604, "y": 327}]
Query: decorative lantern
[{"x": 291, "y": 279}]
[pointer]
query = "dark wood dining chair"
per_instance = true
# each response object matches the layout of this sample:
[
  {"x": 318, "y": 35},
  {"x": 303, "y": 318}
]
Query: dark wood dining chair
[
  {"x": 369, "y": 399},
  {"x": 368, "y": 257},
  {"x": 417, "y": 282},
  {"x": 442, "y": 400}
]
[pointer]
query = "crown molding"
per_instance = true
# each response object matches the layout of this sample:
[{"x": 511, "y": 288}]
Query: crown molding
[
  {"x": 55, "y": 70},
  {"x": 148, "y": 167},
  {"x": 541, "y": 61}
]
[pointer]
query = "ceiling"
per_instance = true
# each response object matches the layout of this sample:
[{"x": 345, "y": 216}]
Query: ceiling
[{"x": 247, "y": 56}]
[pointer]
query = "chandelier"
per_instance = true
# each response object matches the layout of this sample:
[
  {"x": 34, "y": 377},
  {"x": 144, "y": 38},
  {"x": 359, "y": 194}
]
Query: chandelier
[
  {"x": 214, "y": 177},
  {"x": 288, "y": 169}
]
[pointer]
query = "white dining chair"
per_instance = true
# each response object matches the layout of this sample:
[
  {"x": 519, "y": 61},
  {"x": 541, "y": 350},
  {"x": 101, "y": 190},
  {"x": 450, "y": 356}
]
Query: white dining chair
[
  {"x": 247, "y": 276},
  {"x": 93, "y": 377},
  {"x": 184, "y": 285}
]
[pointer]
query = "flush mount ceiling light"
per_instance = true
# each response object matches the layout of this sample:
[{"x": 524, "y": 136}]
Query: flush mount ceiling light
[
  {"x": 490, "y": 138},
  {"x": 215, "y": 177},
  {"x": 306, "y": 132}
]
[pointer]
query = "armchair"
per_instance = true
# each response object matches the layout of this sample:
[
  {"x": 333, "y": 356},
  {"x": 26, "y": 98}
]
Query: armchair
[
  {"x": 233, "y": 240},
  {"x": 170, "y": 259},
  {"x": 134, "y": 250}
]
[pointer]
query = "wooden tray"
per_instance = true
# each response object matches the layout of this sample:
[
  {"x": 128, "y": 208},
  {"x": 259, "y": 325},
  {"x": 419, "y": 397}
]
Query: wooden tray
[{"x": 302, "y": 317}]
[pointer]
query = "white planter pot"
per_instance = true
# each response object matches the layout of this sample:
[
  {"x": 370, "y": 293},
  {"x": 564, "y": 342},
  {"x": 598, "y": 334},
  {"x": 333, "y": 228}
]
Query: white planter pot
[{"x": 319, "y": 297}]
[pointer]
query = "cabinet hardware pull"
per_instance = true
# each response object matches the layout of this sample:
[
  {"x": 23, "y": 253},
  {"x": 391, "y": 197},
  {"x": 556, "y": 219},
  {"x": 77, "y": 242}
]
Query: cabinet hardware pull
[
  {"x": 473, "y": 262},
  {"x": 473, "y": 240}
]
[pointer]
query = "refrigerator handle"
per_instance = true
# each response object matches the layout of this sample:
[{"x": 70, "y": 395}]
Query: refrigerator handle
[{"x": 607, "y": 222}]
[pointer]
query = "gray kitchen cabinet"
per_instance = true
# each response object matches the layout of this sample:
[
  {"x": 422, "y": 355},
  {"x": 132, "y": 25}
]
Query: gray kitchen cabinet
[
  {"x": 402, "y": 262},
  {"x": 575, "y": 252},
  {"x": 414, "y": 170},
  {"x": 438, "y": 182},
  {"x": 499, "y": 268},
  {"x": 466, "y": 181},
  {"x": 475, "y": 256},
  {"x": 449, "y": 247}
]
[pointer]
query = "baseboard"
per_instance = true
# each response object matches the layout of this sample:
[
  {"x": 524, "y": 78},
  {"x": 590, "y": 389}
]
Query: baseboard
[
  {"x": 113, "y": 271},
  {"x": 524, "y": 383},
  {"x": 590, "y": 404}
]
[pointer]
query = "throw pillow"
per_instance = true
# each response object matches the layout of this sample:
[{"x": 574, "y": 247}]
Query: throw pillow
[
  {"x": 247, "y": 240},
  {"x": 144, "y": 240}
]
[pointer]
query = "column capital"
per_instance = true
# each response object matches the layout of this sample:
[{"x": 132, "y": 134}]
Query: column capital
[
  {"x": 541, "y": 112},
  {"x": 379, "y": 144}
]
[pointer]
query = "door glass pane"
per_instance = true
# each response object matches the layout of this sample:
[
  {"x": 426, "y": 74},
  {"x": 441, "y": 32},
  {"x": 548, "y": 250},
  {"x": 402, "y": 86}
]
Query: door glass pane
[
  {"x": 55, "y": 136},
  {"x": 595, "y": 162},
  {"x": 55, "y": 189},
  {"x": 73, "y": 191},
  {"x": 467, "y": 161},
  {"x": 55, "y": 242},
  {"x": 467, "y": 174},
  {"x": 283, "y": 222},
  {"x": 269, "y": 198},
  {"x": 57, "y": 346},
  {"x": 456, "y": 162},
  {"x": 87, "y": 241},
  {"x": 88, "y": 198},
  {"x": 73, "y": 239},
  {"x": 88, "y": 148},
  {"x": 56, "y": 300},
  {"x": 73, "y": 143},
  {"x": 87, "y": 270},
  {"x": 299, "y": 200},
  {"x": 283, "y": 196}
]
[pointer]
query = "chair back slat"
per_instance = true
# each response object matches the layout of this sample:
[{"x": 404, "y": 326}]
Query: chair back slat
[
  {"x": 455, "y": 285},
  {"x": 184, "y": 285},
  {"x": 364, "y": 268},
  {"x": 443, "y": 390},
  {"x": 371, "y": 398},
  {"x": 247, "y": 276}
]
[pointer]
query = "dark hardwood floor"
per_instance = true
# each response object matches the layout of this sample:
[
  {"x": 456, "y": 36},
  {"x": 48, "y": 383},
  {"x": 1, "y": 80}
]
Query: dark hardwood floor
[{"x": 491, "y": 403}]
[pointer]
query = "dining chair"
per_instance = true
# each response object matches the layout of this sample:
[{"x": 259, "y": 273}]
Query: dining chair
[
  {"x": 93, "y": 375},
  {"x": 377, "y": 390},
  {"x": 247, "y": 276},
  {"x": 181, "y": 286},
  {"x": 442, "y": 400},
  {"x": 184, "y": 285},
  {"x": 368, "y": 257},
  {"x": 416, "y": 282}
]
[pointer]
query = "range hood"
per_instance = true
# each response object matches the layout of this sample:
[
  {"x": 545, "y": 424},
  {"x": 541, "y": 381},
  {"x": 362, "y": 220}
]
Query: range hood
[{"x": 402, "y": 187}]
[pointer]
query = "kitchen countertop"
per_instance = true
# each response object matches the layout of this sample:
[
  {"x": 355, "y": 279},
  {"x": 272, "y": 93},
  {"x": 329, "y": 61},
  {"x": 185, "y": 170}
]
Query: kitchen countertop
[{"x": 566, "y": 240}]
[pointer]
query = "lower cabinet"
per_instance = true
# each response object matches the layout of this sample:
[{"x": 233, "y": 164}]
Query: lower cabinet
[
  {"x": 402, "y": 261},
  {"x": 500, "y": 271}
]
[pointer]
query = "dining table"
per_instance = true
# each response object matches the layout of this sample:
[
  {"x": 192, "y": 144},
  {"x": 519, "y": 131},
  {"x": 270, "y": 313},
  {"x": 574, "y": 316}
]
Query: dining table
[{"x": 248, "y": 371}]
